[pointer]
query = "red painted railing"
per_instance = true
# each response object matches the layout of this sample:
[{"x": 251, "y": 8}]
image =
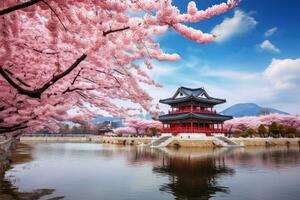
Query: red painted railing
[
  {"x": 191, "y": 110},
  {"x": 193, "y": 130}
]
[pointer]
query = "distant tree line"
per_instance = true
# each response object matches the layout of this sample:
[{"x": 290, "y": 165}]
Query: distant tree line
[
  {"x": 268, "y": 125},
  {"x": 275, "y": 130},
  {"x": 80, "y": 129}
]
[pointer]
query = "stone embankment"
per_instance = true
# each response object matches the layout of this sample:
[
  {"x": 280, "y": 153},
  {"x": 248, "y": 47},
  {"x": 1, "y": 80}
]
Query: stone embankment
[
  {"x": 178, "y": 142},
  {"x": 267, "y": 141},
  {"x": 247, "y": 142},
  {"x": 86, "y": 138},
  {"x": 61, "y": 138},
  {"x": 128, "y": 140},
  {"x": 5, "y": 145}
]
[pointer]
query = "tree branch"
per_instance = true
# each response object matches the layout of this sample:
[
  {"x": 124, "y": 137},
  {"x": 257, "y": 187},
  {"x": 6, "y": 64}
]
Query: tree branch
[
  {"x": 116, "y": 79},
  {"x": 45, "y": 2},
  {"x": 71, "y": 90},
  {"x": 22, "y": 82},
  {"x": 7, "y": 129},
  {"x": 74, "y": 80},
  {"x": 37, "y": 50},
  {"x": 76, "y": 89},
  {"x": 17, "y": 78},
  {"x": 36, "y": 93},
  {"x": 115, "y": 30},
  {"x": 18, "y": 7}
]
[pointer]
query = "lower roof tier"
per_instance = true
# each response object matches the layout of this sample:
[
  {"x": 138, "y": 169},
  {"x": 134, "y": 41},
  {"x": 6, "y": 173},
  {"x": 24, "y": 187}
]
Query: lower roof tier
[{"x": 199, "y": 116}]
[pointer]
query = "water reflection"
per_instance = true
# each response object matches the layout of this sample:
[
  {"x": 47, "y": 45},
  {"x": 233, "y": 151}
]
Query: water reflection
[
  {"x": 126, "y": 172},
  {"x": 192, "y": 173},
  {"x": 8, "y": 191},
  {"x": 193, "y": 178},
  {"x": 266, "y": 158}
]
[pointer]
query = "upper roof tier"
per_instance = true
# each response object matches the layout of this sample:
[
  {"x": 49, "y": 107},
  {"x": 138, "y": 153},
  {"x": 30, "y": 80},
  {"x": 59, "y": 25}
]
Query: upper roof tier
[{"x": 184, "y": 94}]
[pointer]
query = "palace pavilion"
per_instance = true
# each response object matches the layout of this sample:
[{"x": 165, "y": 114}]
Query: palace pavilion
[{"x": 192, "y": 112}]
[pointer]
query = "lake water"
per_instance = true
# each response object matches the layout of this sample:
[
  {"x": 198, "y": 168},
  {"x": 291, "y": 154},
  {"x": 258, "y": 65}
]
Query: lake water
[{"x": 107, "y": 172}]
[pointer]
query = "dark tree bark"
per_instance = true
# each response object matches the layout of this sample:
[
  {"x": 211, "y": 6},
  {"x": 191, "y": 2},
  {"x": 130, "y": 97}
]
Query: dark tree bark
[
  {"x": 8, "y": 129},
  {"x": 19, "y": 6},
  {"x": 105, "y": 33},
  {"x": 36, "y": 93}
]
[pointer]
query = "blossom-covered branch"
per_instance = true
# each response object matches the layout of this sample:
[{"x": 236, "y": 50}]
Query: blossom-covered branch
[
  {"x": 19, "y": 6},
  {"x": 36, "y": 51},
  {"x": 36, "y": 93},
  {"x": 115, "y": 30}
]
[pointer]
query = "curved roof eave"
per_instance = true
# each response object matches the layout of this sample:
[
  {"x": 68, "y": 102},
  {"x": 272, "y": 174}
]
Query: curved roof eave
[
  {"x": 213, "y": 117},
  {"x": 208, "y": 100}
]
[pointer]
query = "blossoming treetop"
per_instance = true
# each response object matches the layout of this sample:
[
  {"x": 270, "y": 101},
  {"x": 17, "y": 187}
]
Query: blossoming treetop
[
  {"x": 265, "y": 120},
  {"x": 57, "y": 55},
  {"x": 136, "y": 126}
]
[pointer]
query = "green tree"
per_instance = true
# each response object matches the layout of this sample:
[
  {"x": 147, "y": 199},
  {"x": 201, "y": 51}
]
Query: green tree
[
  {"x": 282, "y": 130},
  {"x": 262, "y": 131},
  {"x": 274, "y": 130},
  {"x": 251, "y": 132},
  {"x": 237, "y": 133},
  {"x": 291, "y": 131}
]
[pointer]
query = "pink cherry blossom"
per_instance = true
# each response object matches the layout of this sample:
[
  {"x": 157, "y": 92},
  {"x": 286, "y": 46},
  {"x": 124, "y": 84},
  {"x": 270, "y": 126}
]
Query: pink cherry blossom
[
  {"x": 125, "y": 130},
  {"x": 255, "y": 121},
  {"x": 136, "y": 125},
  {"x": 59, "y": 57}
]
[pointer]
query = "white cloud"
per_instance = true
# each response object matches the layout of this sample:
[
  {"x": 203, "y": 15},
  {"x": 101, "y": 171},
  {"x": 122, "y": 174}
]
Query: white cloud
[
  {"x": 276, "y": 86},
  {"x": 284, "y": 73},
  {"x": 240, "y": 23},
  {"x": 268, "y": 46},
  {"x": 270, "y": 32}
]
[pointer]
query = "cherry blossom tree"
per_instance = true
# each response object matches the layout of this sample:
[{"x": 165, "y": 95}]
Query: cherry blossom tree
[
  {"x": 57, "y": 56},
  {"x": 138, "y": 126},
  {"x": 124, "y": 131},
  {"x": 266, "y": 120},
  {"x": 142, "y": 126}
]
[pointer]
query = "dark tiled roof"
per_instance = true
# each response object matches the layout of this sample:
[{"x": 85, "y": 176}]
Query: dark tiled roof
[
  {"x": 192, "y": 94},
  {"x": 201, "y": 116},
  {"x": 198, "y": 99}
]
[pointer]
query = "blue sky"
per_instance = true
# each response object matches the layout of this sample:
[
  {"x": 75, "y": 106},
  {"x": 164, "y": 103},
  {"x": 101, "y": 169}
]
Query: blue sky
[{"x": 256, "y": 58}]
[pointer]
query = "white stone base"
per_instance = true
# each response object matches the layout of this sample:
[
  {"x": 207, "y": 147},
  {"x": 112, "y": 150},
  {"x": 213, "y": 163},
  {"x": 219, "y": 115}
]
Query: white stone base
[
  {"x": 192, "y": 136},
  {"x": 218, "y": 134},
  {"x": 166, "y": 134}
]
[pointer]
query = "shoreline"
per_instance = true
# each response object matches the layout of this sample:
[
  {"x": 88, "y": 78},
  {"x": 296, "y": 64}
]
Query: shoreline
[
  {"x": 5, "y": 147},
  {"x": 177, "y": 142}
]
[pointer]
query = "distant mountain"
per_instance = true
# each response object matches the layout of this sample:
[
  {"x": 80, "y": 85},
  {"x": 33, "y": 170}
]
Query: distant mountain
[
  {"x": 249, "y": 109},
  {"x": 116, "y": 122}
]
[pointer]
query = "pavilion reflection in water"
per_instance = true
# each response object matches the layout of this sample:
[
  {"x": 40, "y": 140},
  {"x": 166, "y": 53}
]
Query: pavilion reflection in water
[
  {"x": 196, "y": 173},
  {"x": 191, "y": 175}
]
